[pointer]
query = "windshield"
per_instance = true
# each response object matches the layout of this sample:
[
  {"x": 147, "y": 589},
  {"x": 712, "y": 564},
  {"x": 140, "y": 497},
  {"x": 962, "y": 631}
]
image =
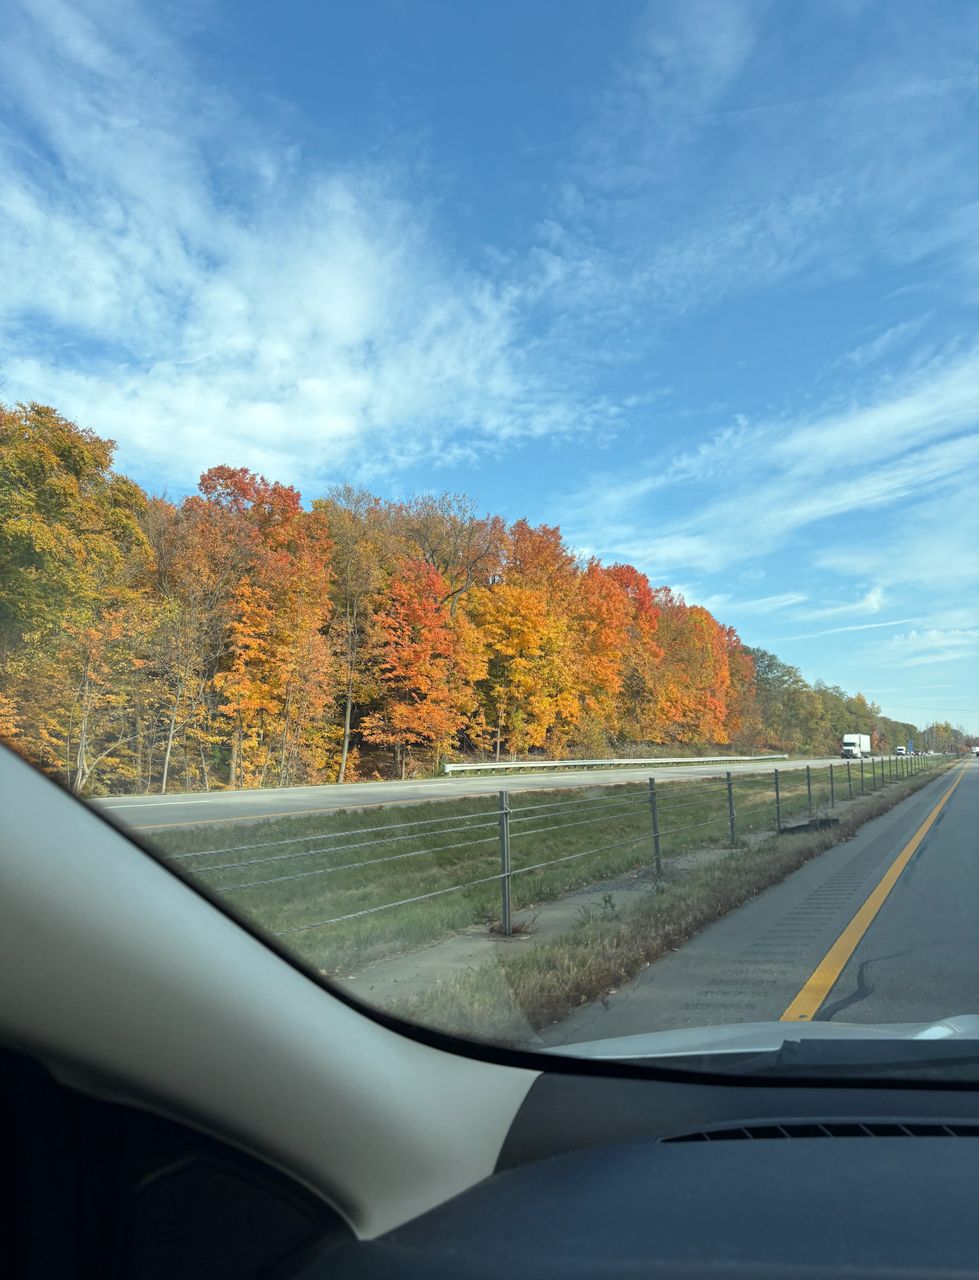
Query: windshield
[{"x": 484, "y": 490}]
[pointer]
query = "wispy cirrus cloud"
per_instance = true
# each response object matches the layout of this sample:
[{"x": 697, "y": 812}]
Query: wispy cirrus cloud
[
  {"x": 181, "y": 277},
  {"x": 759, "y": 605},
  {"x": 783, "y": 477},
  {"x": 869, "y": 603},
  {"x": 887, "y": 342},
  {"x": 932, "y": 645},
  {"x": 706, "y": 174},
  {"x": 859, "y": 626}
]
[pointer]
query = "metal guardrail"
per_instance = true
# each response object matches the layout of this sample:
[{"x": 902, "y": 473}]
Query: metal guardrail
[{"x": 496, "y": 765}]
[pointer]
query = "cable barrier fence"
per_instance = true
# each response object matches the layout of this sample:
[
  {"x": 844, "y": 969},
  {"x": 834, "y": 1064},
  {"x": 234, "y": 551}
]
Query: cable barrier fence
[{"x": 359, "y": 885}]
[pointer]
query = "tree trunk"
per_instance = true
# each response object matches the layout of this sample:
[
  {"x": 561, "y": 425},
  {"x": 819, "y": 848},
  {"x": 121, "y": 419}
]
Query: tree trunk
[
  {"x": 284, "y": 744},
  {"x": 348, "y": 701},
  {"x": 235, "y": 755},
  {"x": 171, "y": 730},
  {"x": 345, "y": 749},
  {"x": 81, "y": 772}
]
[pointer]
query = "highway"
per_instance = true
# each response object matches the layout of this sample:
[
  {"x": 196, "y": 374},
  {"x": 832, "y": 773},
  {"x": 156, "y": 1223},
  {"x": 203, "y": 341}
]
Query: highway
[
  {"x": 881, "y": 928},
  {"x": 143, "y": 813}
]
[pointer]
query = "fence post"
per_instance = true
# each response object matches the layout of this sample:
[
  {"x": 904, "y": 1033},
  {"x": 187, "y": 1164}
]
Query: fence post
[
  {"x": 505, "y": 926},
  {"x": 809, "y": 790},
  {"x": 778, "y": 805},
  {"x": 730, "y": 810},
  {"x": 655, "y": 812},
  {"x": 849, "y": 780},
  {"x": 832, "y": 789},
  {"x": 863, "y": 785}
]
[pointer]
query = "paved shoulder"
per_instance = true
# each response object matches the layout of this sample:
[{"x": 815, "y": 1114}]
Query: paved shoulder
[
  {"x": 748, "y": 966},
  {"x": 920, "y": 958}
]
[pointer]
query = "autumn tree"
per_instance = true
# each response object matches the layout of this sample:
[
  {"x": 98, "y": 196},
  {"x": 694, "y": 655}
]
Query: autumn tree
[
  {"x": 529, "y": 687},
  {"x": 426, "y": 665},
  {"x": 276, "y": 669},
  {"x": 67, "y": 521},
  {"x": 744, "y": 725},
  {"x": 636, "y": 717},
  {"x": 602, "y": 617},
  {"x": 447, "y": 534},
  {"x": 199, "y": 558},
  {"x": 362, "y": 551},
  {"x": 72, "y": 571},
  {"x": 236, "y": 637},
  {"x": 694, "y": 678}
]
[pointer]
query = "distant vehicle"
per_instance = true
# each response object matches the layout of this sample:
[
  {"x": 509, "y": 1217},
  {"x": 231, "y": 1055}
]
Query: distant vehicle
[
  {"x": 975, "y": 752},
  {"x": 900, "y": 751},
  {"x": 855, "y": 745}
]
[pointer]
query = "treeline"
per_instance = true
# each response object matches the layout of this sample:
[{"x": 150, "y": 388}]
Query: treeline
[
  {"x": 797, "y": 716},
  {"x": 240, "y": 639}
]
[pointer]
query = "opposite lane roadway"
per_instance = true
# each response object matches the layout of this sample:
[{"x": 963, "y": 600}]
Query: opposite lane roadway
[{"x": 142, "y": 813}]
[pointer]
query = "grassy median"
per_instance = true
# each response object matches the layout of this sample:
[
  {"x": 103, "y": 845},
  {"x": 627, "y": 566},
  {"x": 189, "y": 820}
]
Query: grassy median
[{"x": 327, "y": 882}]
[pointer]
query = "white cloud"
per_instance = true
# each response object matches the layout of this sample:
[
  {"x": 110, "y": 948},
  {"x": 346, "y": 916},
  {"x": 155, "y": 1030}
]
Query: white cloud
[
  {"x": 759, "y": 605},
  {"x": 311, "y": 321},
  {"x": 785, "y": 476},
  {"x": 860, "y": 626},
  {"x": 931, "y": 550},
  {"x": 934, "y": 402},
  {"x": 708, "y": 171},
  {"x": 886, "y": 342},
  {"x": 871, "y": 602},
  {"x": 931, "y": 645}
]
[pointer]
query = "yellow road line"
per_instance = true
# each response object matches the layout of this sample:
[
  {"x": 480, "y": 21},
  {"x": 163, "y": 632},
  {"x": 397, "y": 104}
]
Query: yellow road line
[{"x": 806, "y": 1004}]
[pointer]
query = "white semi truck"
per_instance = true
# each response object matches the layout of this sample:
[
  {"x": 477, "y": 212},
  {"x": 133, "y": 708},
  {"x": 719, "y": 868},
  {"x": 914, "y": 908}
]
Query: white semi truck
[{"x": 856, "y": 745}]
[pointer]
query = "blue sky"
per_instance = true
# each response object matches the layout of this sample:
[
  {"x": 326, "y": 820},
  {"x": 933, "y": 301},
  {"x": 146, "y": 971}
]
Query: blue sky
[{"x": 698, "y": 282}]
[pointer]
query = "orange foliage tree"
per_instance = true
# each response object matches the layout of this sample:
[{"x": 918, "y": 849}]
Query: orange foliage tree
[
  {"x": 426, "y": 666},
  {"x": 239, "y": 638}
]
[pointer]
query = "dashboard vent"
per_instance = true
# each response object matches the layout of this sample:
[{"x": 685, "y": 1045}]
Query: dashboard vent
[{"x": 831, "y": 1129}]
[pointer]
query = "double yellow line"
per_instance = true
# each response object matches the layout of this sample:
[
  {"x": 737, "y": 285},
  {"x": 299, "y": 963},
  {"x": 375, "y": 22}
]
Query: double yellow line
[{"x": 806, "y": 1004}]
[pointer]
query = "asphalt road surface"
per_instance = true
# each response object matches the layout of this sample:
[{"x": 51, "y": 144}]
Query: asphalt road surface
[
  {"x": 143, "y": 813},
  {"x": 881, "y": 928}
]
